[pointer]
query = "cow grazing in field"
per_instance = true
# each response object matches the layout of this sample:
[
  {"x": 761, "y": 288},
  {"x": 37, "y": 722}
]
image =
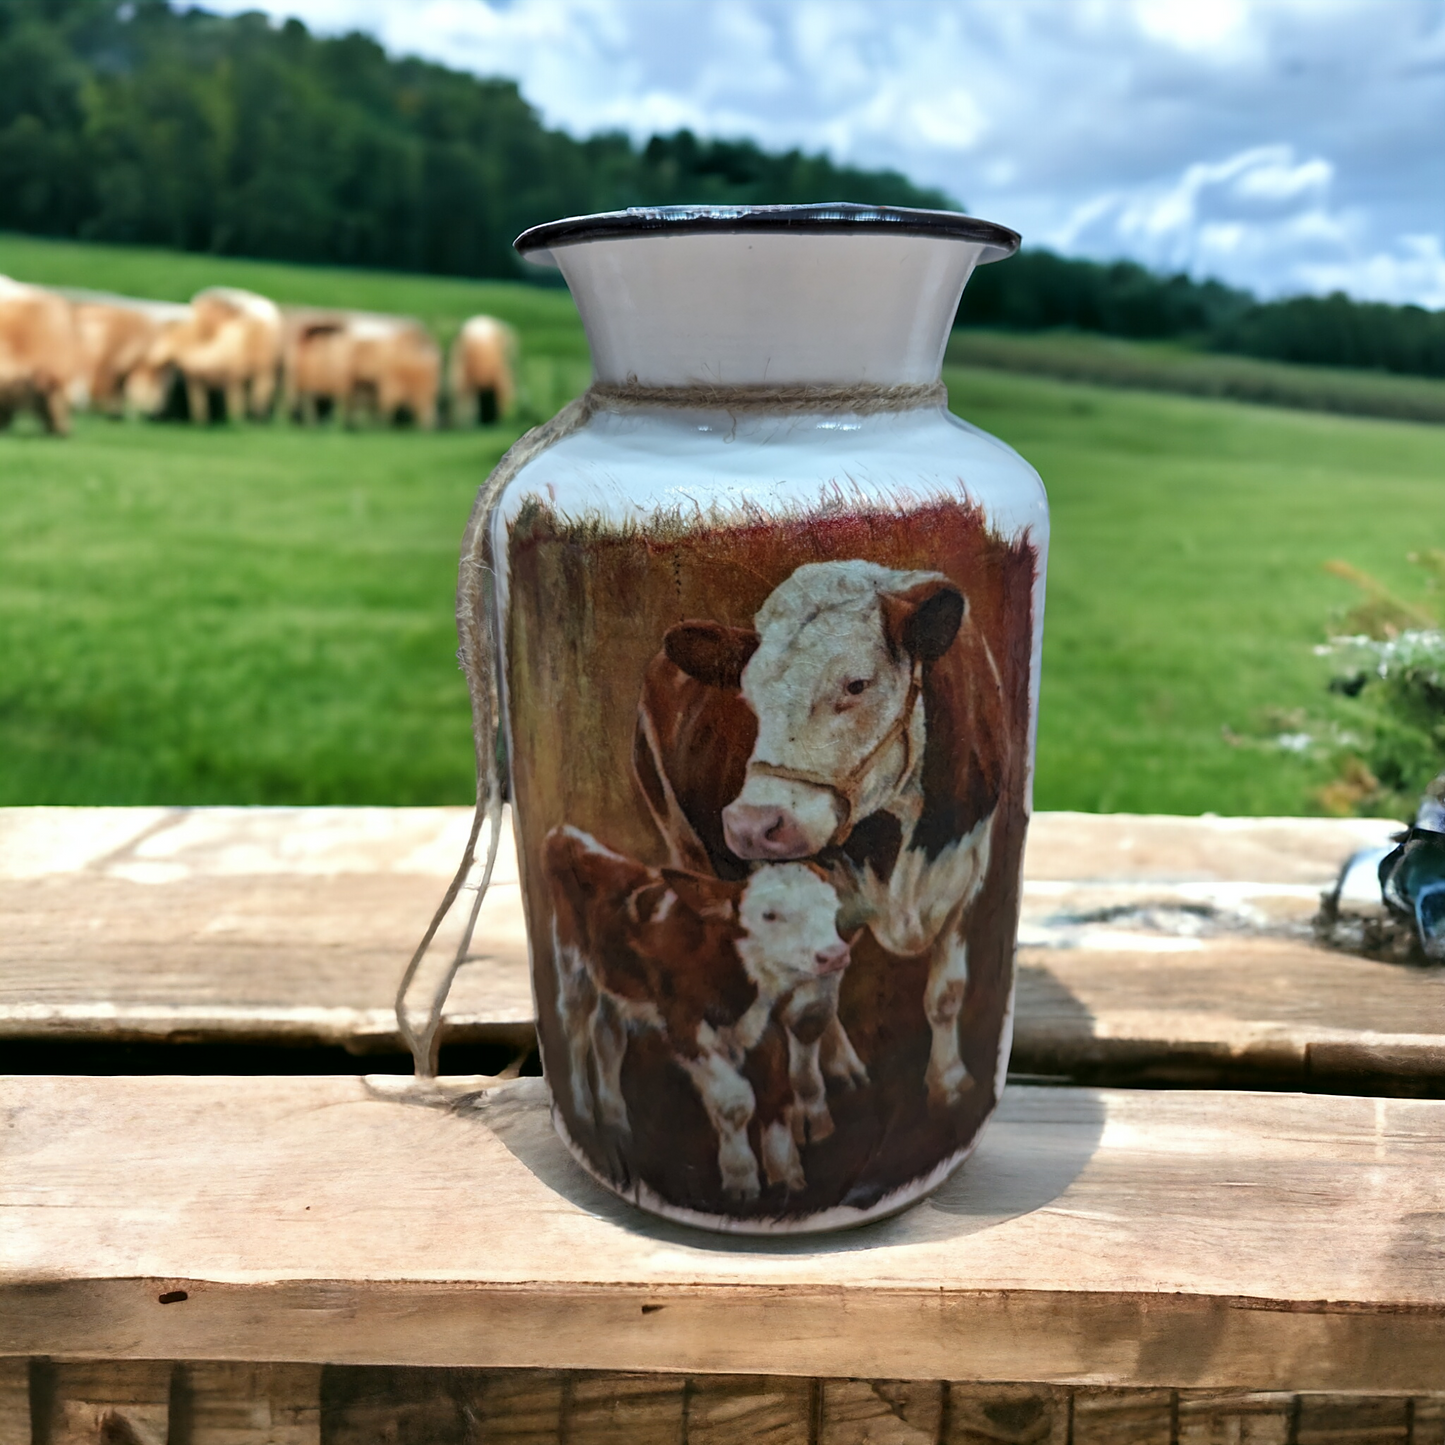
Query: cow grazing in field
[
  {"x": 480, "y": 371},
  {"x": 230, "y": 345},
  {"x": 358, "y": 364},
  {"x": 318, "y": 368},
  {"x": 39, "y": 354},
  {"x": 720, "y": 968},
  {"x": 115, "y": 336},
  {"x": 872, "y": 713},
  {"x": 395, "y": 370}
]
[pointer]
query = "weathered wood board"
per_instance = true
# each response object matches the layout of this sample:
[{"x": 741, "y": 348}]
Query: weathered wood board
[
  {"x": 1170, "y": 1239},
  {"x": 1170, "y": 950},
  {"x": 215, "y": 1403}
]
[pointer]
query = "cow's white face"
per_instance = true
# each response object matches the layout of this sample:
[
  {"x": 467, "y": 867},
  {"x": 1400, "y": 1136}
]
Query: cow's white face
[
  {"x": 789, "y": 918},
  {"x": 837, "y": 646}
]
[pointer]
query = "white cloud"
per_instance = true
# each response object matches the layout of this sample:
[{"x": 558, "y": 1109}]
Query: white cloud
[
  {"x": 1277, "y": 143},
  {"x": 1195, "y": 25}
]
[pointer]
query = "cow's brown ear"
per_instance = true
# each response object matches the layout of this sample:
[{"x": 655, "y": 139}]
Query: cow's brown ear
[
  {"x": 707, "y": 897},
  {"x": 924, "y": 619},
  {"x": 710, "y": 652}
]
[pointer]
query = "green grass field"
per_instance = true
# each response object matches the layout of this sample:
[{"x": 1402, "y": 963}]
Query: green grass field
[
  {"x": 263, "y": 615},
  {"x": 1172, "y": 367}
]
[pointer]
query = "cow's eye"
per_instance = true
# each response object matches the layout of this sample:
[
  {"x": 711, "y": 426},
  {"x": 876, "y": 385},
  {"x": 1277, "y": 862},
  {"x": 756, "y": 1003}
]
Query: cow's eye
[
  {"x": 770, "y": 916},
  {"x": 859, "y": 684}
]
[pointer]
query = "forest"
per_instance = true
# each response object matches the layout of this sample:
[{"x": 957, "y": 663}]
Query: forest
[{"x": 141, "y": 123}]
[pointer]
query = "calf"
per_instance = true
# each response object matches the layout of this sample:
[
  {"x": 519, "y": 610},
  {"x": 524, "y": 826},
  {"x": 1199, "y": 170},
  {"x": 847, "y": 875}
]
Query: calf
[
  {"x": 719, "y": 968},
  {"x": 876, "y": 739}
]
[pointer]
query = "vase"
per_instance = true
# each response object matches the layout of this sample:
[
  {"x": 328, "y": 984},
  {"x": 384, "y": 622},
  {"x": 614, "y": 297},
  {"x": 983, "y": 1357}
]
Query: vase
[{"x": 766, "y": 622}]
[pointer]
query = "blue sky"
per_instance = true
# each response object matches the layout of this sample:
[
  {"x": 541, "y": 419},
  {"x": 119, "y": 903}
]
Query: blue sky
[{"x": 1282, "y": 145}]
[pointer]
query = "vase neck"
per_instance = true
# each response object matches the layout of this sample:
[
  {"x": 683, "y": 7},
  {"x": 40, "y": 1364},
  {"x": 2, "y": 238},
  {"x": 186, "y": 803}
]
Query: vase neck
[{"x": 765, "y": 309}]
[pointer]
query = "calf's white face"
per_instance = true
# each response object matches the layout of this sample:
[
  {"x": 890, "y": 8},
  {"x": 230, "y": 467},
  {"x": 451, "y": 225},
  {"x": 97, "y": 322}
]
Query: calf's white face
[
  {"x": 789, "y": 918},
  {"x": 837, "y": 646}
]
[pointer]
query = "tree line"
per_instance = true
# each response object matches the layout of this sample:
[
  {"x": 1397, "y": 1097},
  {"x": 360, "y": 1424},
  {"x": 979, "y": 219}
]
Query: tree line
[
  {"x": 131, "y": 121},
  {"x": 139, "y": 123},
  {"x": 1038, "y": 290}
]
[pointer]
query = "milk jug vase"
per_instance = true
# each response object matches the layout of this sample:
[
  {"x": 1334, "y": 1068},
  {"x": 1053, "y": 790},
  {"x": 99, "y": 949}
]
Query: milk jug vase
[{"x": 753, "y": 631}]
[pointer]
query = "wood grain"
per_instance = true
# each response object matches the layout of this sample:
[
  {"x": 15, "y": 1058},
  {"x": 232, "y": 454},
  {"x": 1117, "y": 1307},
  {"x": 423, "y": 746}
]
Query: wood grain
[
  {"x": 770, "y": 1410},
  {"x": 110, "y": 1403},
  {"x": 15, "y": 1402},
  {"x": 1154, "y": 950},
  {"x": 367, "y": 1405},
  {"x": 1123, "y": 1417},
  {"x": 1427, "y": 1420},
  {"x": 1235, "y": 1417},
  {"x": 234, "y": 1403},
  {"x": 1096, "y": 1237}
]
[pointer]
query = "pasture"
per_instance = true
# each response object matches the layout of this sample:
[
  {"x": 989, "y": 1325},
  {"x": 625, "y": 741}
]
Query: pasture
[{"x": 262, "y": 614}]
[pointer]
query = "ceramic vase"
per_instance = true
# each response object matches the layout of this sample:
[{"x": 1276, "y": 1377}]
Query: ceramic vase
[{"x": 768, "y": 623}]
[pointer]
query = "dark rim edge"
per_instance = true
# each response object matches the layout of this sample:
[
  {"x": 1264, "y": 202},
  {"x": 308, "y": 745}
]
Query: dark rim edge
[{"x": 840, "y": 217}]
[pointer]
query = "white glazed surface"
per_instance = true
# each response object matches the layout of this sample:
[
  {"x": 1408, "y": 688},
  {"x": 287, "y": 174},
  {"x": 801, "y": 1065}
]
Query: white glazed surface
[{"x": 673, "y": 310}]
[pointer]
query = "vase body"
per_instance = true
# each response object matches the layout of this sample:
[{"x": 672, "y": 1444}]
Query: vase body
[{"x": 770, "y": 675}]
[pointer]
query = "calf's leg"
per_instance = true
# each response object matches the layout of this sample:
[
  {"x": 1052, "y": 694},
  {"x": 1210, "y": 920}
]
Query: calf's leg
[
  {"x": 840, "y": 1059},
  {"x": 729, "y": 1101},
  {"x": 812, "y": 1118},
  {"x": 947, "y": 1077},
  {"x": 768, "y": 1072}
]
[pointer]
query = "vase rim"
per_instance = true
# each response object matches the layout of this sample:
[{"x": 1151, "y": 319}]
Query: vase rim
[{"x": 832, "y": 217}]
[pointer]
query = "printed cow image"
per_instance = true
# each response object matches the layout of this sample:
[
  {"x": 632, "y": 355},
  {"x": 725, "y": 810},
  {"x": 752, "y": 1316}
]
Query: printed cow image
[
  {"x": 725, "y": 700},
  {"x": 860, "y": 721},
  {"x": 740, "y": 978}
]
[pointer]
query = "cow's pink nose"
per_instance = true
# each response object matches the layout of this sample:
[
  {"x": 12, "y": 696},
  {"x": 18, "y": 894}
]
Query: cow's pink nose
[
  {"x": 756, "y": 832},
  {"x": 833, "y": 959}
]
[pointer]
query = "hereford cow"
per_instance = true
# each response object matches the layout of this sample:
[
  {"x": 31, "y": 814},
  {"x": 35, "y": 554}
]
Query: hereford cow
[
  {"x": 859, "y": 721},
  {"x": 39, "y": 354},
  {"x": 723, "y": 970},
  {"x": 480, "y": 371}
]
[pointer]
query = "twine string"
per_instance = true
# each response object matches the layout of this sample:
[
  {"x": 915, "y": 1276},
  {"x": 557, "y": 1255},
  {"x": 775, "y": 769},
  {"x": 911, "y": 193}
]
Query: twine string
[{"x": 479, "y": 627}]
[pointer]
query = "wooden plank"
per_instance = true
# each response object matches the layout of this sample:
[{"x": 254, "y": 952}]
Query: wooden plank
[
  {"x": 1352, "y": 1420},
  {"x": 1123, "y": 1417},
  {"x": 402, "y": 1406},
  {"x": 1427, "y": 1420},
  {"x": 879, "y": 1412},
  {"x": 1236, "y": 1417},
  {"x": 624, "y": 1409},
  {"x": 761, "y": 1409},
  {"x": 1173, "y": 1239},
  {"x": 1162, "y": 848},
  {"x": 109, "y": 1402},
  {"x": 1155, "y": 950},
  {"x": 518, "y": 1407},
  {"x": 241, "y": 924},
  {"x": 15, "y": 1402},
  {"x": 1006, "y": 1415},
  {"x": 225, "y": 1402}
]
